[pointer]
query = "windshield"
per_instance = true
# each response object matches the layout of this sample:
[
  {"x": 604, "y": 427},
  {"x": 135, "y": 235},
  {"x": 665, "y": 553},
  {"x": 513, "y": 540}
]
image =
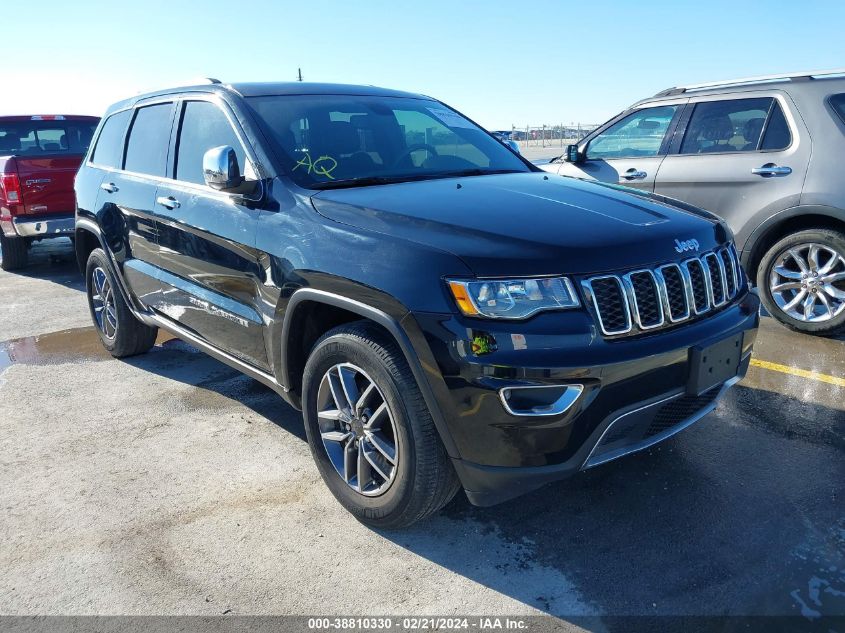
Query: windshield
[{"x": 341, "y": 140}]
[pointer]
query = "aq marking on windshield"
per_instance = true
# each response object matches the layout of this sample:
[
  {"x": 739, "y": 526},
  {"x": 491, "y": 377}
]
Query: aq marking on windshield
[{"x": 323, "y": 166}]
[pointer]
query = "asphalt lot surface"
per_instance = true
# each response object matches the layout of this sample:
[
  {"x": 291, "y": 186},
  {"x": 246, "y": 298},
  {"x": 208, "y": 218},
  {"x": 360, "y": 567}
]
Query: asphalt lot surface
[{"x": 170, "y": 484}]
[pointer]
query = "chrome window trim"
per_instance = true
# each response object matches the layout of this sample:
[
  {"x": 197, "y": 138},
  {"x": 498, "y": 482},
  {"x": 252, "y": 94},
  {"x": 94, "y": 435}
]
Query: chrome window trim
[
  {"x": 179, "y": 100},
  {"x": 587, "y": 284},
  {"x": 632, "y": 298},
  {"x": 665, "y": 289}
]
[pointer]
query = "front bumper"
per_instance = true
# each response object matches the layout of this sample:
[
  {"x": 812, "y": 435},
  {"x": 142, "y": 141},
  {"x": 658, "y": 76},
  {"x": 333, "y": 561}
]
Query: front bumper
[
  {"x": 634, "y": 393},
  {"x": 53, "y": 225}
]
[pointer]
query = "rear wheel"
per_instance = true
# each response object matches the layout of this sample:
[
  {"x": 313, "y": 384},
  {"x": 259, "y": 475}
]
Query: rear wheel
[
  {"x": 121, "y": 333},
  {"x": 802, "y": 281},
  {"x": 370, "y": 431},
  {"x": 15, "y": 252}
]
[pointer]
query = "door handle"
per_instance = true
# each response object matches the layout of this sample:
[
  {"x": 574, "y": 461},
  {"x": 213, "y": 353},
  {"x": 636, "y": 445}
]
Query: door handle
[
  {"x": 168, "y": 202},
  {"x": 109, "y": 187},
  {"x": 634, "y": 174},
  {"x": 770, "y": 169}
]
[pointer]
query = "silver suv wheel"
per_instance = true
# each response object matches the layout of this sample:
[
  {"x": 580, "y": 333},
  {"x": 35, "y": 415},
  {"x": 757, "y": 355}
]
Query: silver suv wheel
[
  {"x": 807, "y": 282},
  {"x": 357, "y": 429}
]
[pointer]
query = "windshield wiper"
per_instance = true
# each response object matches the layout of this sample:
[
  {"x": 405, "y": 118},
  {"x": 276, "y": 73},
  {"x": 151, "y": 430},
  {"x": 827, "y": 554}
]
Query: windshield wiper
[{"x": 367, "y": 181}]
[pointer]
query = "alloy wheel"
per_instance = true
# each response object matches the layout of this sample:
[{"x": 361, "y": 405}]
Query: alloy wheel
[
  {"x": 102, "y": 301},
  {"x": 807, "y": 282},
  {"x": 357, "y": 429}
]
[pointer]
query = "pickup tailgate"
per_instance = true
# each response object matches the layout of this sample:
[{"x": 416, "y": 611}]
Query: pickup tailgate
[
  {"x": 47, "y": 183},
  {"x": 44, "y": 152}
]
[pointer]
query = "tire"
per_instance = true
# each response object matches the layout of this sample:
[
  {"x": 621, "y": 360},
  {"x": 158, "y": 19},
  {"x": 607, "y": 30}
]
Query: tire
[
  {"x": 15, "y": 252},
  {"x": 120, "y": 332},
  {"x": 787, "y": 271},
  {"x": 422, "y": 480}
]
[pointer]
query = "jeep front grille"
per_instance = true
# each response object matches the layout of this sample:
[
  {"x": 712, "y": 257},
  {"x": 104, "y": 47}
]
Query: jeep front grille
[{"x": 647, "y": 299}]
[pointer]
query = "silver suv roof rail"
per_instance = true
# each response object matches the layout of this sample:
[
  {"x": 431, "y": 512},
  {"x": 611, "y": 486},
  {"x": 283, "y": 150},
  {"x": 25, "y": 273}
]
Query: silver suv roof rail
[{"x": 799, "y": 76}]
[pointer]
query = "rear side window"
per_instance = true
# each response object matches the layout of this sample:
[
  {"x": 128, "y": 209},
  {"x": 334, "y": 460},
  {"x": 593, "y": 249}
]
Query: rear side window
[
  {"x": 37, "y": 138},
  {"x": 108, "y": 152},
  {"x": 726, "y": 126},
  {"x": 736, "y": 125},
  {"x": 638, "y": 134},
  {"x": 837, "y": 102},
  {"x": 204, "y": 126},
  {"x": 146, "y": 150}
]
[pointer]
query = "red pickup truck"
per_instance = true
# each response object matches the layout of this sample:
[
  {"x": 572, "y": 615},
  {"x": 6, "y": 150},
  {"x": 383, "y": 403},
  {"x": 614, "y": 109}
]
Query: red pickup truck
[{"x": 39, "y": 157}]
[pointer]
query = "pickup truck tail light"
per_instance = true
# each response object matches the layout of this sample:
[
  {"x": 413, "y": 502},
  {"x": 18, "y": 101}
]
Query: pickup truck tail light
[{"x": 10, "y": 185}]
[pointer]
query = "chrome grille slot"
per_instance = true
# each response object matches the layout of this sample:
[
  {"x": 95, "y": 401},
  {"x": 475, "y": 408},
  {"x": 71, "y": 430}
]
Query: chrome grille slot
[
  {"x": 730, "y": 271},
  {"x": 647, "y": 299},
  {"x": 675, "y": 291},
  {"x": 717, "y": 283},
  {"x": 608, "y": 295},
  {"x": 698, "y": 285}
]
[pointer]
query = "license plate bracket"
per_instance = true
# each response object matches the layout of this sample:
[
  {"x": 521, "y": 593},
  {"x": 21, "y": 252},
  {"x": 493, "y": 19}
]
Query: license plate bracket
[{"x": 711, "y": 365}]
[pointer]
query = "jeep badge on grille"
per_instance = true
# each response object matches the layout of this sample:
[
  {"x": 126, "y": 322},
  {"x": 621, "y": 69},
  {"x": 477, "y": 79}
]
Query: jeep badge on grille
[{"x": 688, "y": 245}]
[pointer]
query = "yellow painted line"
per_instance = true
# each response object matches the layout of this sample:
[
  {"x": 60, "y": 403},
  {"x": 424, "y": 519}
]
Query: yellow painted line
[{"x": 802, "y": 373}]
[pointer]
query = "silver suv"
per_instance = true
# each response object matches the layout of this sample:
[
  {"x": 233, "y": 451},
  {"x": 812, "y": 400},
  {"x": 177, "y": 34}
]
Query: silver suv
[{"x": 765, "y": 153}]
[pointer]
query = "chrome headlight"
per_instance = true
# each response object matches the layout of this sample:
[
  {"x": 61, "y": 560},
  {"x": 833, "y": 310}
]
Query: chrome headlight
[{"x": 513, "y": 298}]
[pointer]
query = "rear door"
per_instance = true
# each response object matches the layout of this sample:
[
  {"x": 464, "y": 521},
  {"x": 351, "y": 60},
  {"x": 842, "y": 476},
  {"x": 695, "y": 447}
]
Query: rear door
[
  {"x": 630, "y": 149},
  {"x": 48, "y": 153},
  {"x": 738, "y": 157},
  {"x": 126, "y": 200},
  {"x": 211, "y": 275}
]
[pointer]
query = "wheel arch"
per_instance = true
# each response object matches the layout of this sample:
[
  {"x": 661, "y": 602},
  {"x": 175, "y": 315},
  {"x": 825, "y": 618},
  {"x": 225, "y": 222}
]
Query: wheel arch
[
  {"x": 784, "y": 223},
  {"x": 310, "y": 312}
]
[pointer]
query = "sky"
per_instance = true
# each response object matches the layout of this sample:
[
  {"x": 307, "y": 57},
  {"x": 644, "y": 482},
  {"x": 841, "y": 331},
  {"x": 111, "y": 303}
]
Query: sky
[{"x": 500, "y": 63}]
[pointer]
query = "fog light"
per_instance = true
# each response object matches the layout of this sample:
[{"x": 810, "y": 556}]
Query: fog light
[{"x": 537, "y": 400}]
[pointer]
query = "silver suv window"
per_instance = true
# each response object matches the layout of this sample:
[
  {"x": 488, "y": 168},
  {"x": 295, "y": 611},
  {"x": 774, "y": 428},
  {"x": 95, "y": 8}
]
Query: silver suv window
[
  {"x": 736, "y": 125},
  {"x": 837, "y": 102},
  {"x": 638, "y": 134}
]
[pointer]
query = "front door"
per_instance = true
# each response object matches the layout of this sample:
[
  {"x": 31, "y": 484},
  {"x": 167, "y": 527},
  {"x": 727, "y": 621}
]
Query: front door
[
  {"x": 211, "y": 274},
  {"x": 628, "y": 151}
]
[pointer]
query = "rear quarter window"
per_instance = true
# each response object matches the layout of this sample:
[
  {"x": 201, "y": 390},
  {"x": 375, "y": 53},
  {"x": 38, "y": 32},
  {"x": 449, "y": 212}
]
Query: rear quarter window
[
  {"x": 837, "y": 102},
  {"x": 108, "y": 152}
]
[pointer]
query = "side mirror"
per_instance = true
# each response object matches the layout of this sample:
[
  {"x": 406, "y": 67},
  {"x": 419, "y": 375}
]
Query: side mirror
[
  {"x": 220, "y": 168},
  {"x": 573, "y": 155}
]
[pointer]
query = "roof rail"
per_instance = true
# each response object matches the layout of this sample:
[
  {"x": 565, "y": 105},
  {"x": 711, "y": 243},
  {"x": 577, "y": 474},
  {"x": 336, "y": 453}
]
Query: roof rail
[{"x": 799, "y": 76}]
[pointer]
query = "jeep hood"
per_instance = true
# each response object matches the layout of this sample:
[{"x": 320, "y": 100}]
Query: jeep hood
[{"x": 527, "y": 223}]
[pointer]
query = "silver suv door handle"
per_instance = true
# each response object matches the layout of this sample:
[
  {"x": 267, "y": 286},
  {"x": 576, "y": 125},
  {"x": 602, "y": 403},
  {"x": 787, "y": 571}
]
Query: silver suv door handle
[
  {"x": 109, "y": 187},
  {"x": 169, "y": 202},
  {"x": 634, "y": 174},
  {"x": 770, "y": 169}
]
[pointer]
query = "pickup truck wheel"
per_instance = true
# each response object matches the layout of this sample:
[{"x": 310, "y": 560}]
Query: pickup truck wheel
[
  {"x": 121, "y": 333},
  {"x": 15, "y": 252},
  {"x": 802, "y": 281},
  {"x": 370, "y": 431}
]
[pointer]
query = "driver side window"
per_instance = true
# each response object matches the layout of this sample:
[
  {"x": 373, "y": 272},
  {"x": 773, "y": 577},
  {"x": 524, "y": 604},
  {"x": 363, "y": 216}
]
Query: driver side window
[{"x": 640, "y": 133}]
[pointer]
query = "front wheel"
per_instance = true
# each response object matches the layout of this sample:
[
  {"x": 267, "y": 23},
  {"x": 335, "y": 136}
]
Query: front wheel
[
  {"x": 370, "y": 431},
  {"x": 802, "y": 281},
  {"x": 121, "y": 333}
]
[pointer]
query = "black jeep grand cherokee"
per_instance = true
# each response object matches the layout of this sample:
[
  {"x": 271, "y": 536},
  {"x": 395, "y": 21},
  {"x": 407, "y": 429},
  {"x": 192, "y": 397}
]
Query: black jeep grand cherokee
[{"x": 445, "y": 314}]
